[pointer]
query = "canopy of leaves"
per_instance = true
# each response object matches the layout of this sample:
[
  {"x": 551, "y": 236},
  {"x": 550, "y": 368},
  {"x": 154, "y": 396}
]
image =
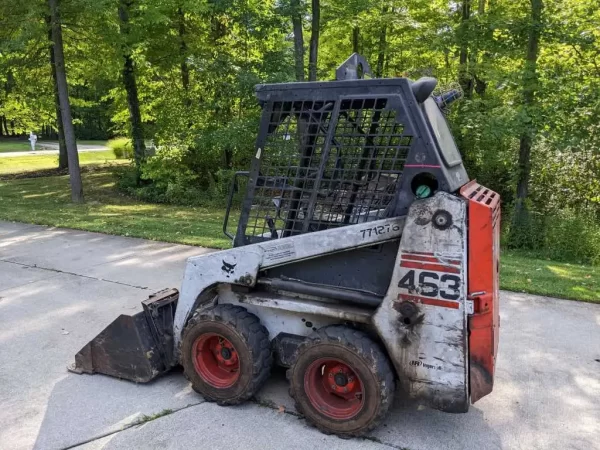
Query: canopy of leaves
[{"x": 196, "y": 64}]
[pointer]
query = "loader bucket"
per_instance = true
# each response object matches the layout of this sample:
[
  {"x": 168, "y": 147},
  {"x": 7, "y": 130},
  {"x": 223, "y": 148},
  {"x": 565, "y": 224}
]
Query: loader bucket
[{"x": 136, "y": 348}]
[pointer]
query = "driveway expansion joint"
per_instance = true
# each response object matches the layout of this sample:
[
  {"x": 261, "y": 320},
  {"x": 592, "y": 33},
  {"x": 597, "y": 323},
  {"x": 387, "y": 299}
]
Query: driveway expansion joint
[
  {"x": 141, "y": 421},
  {"x": 49, "y": 269}
]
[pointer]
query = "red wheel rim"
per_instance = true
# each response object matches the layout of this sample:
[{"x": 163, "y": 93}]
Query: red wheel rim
[
  {"x": 334, "y": 388},
  {"x": 216, "y": 360}
]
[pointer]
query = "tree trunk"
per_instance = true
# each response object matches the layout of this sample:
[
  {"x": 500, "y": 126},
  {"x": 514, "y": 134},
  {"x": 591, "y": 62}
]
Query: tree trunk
[
  {"x": 298, "y": 39},
  {"x": 227, "y": 157},
  {"x": 63, "y": 159},
  {"x": 5, "y": 126},
  {"x": 464, "y": 77},
  {"x": 465, "y": 81},
  {"x": 479, "y": 82},
  {"x": 65, "y": 105},
  {"x": 530, "y": 86},
  {"x": 355, "y": 39},
  {"x": 130, "y": 85},
  {"x": 314, "y": 41},
  {"x": 382, "y": 45}
]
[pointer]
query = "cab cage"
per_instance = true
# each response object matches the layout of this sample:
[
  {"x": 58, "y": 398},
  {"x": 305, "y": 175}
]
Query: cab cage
[
  {"x": 326, "y": 157},
  {"x": 336, "y": 153}
]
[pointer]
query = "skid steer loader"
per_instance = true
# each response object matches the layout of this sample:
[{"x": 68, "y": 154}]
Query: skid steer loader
[{"x": 364, "y": 260}]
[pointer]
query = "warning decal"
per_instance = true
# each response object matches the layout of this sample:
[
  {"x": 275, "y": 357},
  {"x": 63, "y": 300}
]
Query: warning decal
[{"x": 278, "y": 251}]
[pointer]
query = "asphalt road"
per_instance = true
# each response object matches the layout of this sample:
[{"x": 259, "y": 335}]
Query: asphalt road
[{"x": 59, "y": 288}]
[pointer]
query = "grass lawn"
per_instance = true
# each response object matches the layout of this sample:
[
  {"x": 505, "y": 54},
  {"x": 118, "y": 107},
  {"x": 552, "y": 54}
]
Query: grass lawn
[
  {"x": 18, "y": 164},
  {"x": 45, "y": 201},
  {"x": 539, "y": 276},
  {"x": 12, "y": 145}
]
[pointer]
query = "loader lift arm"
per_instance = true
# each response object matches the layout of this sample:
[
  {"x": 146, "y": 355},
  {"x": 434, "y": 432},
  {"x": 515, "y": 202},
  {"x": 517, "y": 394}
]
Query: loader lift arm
[{"x": 142, "y": 346}]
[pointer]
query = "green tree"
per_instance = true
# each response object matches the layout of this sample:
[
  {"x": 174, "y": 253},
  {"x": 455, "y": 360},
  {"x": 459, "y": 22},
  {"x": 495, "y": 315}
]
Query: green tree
[
  {"x": 315, "y": 30},
  {"x": 530, "y": 88},
  {"x": 64, "y": 102},
  {"x": 130, "y": 83}
]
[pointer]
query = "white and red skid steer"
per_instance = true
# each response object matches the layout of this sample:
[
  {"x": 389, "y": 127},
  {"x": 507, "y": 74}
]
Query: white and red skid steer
[{"x": 364, "y": 260}]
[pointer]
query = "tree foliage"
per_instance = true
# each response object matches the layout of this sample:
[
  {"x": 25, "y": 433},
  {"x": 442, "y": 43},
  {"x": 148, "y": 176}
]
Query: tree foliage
[{"x": 196, "y": 62}]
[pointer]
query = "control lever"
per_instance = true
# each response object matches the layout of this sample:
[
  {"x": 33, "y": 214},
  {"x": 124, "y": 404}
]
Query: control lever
[{"x": 272, "y": 229}]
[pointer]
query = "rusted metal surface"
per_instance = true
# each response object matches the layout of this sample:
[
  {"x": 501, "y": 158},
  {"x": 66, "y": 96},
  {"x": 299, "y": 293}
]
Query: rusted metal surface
[
  {"x": 285, "y": 347},
  {"x": 423, "y": 319},
  {"x": 360, "y": 298},
  {"x": 298, "y": 315},
  {"x": 136, "y": 348},
  {"x": 298, "y": 305}
]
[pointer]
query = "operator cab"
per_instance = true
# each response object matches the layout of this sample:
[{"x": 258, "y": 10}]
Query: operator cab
[{"x": 338, "y": 153}]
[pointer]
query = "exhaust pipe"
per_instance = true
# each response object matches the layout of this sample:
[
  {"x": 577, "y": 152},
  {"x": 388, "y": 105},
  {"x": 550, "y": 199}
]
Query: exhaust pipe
[{"x": 137, "y": 348}]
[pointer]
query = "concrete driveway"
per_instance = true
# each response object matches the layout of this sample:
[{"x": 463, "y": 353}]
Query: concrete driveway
[{"x": 58, "y": 288}]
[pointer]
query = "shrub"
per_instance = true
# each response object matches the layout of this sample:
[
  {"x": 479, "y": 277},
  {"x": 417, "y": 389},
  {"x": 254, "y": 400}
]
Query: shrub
[
  {"x": 562, "y": 236},
  {"x": 571, "y": 237},
  {"x": 126, "y": 176},
  {"x": 169, "y": 172},
  {"x": 167, "y": 178},
  {"x": 222, "y": 184},
  {"x": 121, "y": 147},
  {"x": 165, "y": 181}
]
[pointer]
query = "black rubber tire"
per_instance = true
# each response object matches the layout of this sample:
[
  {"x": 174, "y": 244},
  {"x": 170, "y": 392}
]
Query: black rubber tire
[
  {"x": 251, "y": 341},
  {"x": 367, "y": 359}
]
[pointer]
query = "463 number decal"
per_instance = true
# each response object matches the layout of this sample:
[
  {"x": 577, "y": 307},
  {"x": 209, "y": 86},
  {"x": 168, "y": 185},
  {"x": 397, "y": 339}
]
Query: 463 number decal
[{"x": 431, "y": 284}]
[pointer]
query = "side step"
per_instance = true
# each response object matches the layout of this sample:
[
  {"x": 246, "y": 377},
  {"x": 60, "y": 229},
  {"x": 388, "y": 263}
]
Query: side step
[{"x": 136, "y": 348}]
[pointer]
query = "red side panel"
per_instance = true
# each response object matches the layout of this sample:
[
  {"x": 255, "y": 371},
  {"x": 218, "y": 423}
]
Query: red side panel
[{"x": 484, "y": 253}]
